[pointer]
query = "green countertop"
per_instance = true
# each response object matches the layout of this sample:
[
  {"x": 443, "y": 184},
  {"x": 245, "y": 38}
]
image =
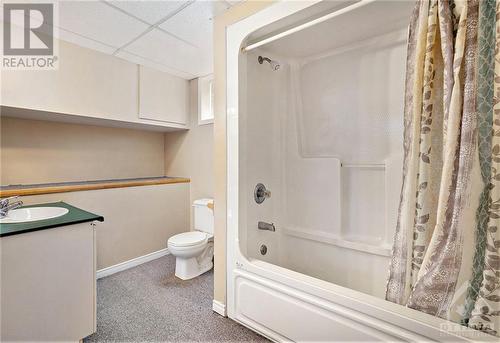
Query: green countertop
[{"x": 74, "y": 216}]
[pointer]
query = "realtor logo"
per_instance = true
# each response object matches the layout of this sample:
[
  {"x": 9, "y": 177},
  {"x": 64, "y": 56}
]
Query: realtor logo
[{"x": 28, "y": 36}]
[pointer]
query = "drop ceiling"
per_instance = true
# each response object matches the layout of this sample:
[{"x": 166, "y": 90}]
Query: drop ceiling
[{"x": 167, "y": 35}]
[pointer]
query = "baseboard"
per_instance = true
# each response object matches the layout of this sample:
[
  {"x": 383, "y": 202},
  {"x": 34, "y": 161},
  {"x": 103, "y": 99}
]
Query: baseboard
[
  {"x": 219, "y": 308},
  {"x": 131, "y": 263}
]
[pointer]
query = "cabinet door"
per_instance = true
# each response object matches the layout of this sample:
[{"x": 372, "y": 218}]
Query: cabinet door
[
  {"x": 48, "y": 284},
  {"x": 162, "y": 97},
  {"x": 88, "y": 83}
]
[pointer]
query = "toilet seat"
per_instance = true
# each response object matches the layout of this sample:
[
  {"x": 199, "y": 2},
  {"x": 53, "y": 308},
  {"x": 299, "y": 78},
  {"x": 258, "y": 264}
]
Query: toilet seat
[{"x": 188, "y": 239}]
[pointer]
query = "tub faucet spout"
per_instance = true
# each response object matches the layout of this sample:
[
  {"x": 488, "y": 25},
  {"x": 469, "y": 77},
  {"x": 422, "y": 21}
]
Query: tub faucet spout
[{"x": 266, "y": 226}]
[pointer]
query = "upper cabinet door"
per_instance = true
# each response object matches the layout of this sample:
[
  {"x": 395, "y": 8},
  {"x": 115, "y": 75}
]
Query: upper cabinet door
[
  {"x": 163, "y": 97},
  {"x": 87, "y": 83}
]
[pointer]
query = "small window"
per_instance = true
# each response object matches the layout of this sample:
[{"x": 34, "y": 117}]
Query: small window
[{"x": 206, "y": 100}]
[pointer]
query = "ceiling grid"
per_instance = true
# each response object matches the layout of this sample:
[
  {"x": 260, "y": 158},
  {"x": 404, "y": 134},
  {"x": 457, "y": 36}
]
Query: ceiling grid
[{"x": 174, "y": 36}]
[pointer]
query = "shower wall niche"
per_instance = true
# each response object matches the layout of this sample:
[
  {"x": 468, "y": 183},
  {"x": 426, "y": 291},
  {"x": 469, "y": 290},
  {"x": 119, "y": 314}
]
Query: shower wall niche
[{"x": 324, "y": 134}]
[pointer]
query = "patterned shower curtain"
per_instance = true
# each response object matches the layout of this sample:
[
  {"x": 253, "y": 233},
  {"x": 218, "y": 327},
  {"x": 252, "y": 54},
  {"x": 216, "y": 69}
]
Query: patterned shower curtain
[{"x": 446, "y": 254}]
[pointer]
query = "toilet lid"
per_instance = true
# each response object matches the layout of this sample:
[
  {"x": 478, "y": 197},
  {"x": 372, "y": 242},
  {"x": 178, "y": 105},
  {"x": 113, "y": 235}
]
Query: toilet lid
[{"x": 186, "y": 239}]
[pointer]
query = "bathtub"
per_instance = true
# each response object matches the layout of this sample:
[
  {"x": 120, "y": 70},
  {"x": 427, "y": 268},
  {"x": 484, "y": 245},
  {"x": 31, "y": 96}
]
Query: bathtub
[{"x": 338, "y": 295}]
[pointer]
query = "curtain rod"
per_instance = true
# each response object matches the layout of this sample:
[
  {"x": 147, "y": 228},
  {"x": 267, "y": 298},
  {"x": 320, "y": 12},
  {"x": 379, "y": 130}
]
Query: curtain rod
[{"x": 301, "y": 27}]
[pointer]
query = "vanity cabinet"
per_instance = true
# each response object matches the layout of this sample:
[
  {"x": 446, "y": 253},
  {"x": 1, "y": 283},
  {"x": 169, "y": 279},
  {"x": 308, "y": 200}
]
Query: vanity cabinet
[
  {"x": 48, "y": 284},
  {"x": 163, "y": 97}
]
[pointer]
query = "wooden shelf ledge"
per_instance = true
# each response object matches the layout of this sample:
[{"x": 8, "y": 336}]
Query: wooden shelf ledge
[{"x": 63, "y": 187}]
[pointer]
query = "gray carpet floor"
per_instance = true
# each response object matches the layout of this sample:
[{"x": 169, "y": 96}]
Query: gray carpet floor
[{"x": 148, "y": 303}]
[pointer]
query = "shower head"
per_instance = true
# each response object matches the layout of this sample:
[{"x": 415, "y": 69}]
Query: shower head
[{"x": 275, "y": 65}]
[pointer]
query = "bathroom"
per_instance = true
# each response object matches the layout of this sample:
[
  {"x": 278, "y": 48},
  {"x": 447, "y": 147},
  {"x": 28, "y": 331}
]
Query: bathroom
[{"x": 245, "y": 171}]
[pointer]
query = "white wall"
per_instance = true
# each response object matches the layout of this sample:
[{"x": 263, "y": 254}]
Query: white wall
[
  {"x": 262, "y": 107},
  {"x": 297, "y": 127},
  {"x": 229, "y": 17}
]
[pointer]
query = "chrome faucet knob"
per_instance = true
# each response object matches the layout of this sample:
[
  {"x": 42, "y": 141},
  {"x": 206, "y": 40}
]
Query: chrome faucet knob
[
  {"x": 8, "y": 204},
  {"x": 5, "y": 201},
  {"x": 261, "y": 193}
]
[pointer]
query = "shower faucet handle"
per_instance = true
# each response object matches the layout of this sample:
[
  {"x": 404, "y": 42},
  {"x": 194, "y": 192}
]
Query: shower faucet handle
[
  {"x": 261, "y": 193},
  {"x": 266, "y": 194}
]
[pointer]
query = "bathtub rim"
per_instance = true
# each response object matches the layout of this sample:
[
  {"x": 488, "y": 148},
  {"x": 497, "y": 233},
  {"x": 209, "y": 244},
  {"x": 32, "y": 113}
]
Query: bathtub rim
[
  {"x": 403, "y": 317},
  {"x": 238, "y": 265}
]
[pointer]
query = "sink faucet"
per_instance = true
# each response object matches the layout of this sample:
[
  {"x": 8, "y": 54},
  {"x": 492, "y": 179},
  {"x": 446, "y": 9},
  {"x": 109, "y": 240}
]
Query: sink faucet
[{"x": 8, "y": 204}]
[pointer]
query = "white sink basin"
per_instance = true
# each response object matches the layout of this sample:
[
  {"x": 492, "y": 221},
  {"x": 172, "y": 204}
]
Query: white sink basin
[{"x": 31, "y": 214}]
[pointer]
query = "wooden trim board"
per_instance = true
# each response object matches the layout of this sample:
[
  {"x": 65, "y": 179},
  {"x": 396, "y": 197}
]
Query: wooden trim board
[{"x": 37, "y": 190}]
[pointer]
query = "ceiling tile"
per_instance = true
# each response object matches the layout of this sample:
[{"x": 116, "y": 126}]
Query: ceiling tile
[
  {"x": 98, "y": 26},
  {"x": 233, "y": 2},
  {"x": 145, "y": 62},
  {"x": 194, "y": 23},
  {"x": 84, "y": 42},
  {"x": 149, "y": 11},
  {"x": 164, "y": 49},
  {"x": 69, "y": 36},
  {"x": 98, "y": 21}
]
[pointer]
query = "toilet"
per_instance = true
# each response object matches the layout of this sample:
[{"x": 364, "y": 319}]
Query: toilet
[{"x": 194, "y": 250}]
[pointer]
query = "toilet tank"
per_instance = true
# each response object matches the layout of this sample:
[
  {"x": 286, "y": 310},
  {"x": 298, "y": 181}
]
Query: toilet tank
[{"x": 203, "y": 216}]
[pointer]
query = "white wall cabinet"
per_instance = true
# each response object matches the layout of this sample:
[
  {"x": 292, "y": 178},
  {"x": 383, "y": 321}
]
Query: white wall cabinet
[
  {"x": 163, "y": 97},
  {"x": 87, "y": 83},
  {"x": 48, "y": 284},
  {"x": 90, "y": 87}
]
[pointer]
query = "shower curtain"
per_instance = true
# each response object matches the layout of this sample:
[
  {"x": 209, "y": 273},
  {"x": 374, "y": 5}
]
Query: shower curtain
[{"x": 446, "y": 253}]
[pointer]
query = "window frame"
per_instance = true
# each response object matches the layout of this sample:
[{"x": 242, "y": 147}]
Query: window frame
[{"x": 205, "y": 82}]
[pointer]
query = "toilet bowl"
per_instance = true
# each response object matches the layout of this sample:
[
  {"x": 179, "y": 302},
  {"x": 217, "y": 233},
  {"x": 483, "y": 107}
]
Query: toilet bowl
[{"x": 194, "y": 250}]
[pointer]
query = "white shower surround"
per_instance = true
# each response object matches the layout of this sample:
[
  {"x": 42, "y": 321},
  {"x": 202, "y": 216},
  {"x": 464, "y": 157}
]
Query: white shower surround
[
  {"x": 324, "y": 214},
  {"x": 260, "y": 293}
]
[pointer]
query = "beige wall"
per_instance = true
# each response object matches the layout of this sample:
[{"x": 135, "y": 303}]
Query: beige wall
[
  {"x": 137, "y": 220},
  {"x": 111, "y": 153},
  {"x": 41, "y": 151},
  {"x": 229, "y": 17},
  {"x": 34, "y": 151},
  {"x": 190, "y": 153}
]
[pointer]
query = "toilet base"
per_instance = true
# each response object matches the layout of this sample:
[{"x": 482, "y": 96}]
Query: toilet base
[{"x": 188, "y": 268}]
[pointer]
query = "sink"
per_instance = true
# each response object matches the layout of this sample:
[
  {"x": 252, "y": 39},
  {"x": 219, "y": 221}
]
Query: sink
[{"x": 31, "y": 214}]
